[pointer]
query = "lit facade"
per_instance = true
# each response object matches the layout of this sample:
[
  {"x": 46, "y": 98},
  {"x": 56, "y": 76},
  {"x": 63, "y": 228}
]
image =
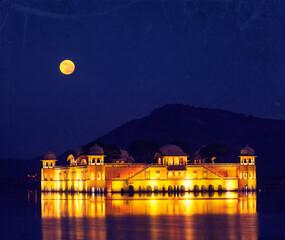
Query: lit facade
[{"x": 89, "y": 173}]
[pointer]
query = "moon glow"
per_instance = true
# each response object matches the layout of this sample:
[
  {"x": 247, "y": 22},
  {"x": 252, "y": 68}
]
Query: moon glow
[{"x": 67, "y": 67}]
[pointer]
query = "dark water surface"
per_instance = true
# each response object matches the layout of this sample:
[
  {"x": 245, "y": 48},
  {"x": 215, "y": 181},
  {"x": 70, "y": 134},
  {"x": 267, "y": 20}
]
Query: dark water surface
[{"x": 229, "y": 215}]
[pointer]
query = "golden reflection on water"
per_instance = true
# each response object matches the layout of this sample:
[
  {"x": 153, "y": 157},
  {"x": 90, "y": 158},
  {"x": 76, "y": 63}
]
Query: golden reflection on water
[{"x": 83, "y": 216}]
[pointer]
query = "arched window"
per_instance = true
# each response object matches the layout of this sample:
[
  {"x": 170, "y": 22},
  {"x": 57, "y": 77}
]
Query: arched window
[
  {"x": 245, "y": 175},
  {"x": 182, "y": 175},
  {"x": 93, "y": 160},
  {"x": 98, "y": 161},
  {"x": 176, "y": 175},
  {"x": 240, "y": 175},
  {"x": 170, "y": 175},
  {"x": 98, "y": 176}
]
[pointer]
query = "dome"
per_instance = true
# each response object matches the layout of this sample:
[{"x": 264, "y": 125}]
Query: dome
[
  {"x": 49, "y": 156},
  {"x": 96, "y": 150},
  {"x": 171, "y": 150},
  {"x": 247, "y": 151}
]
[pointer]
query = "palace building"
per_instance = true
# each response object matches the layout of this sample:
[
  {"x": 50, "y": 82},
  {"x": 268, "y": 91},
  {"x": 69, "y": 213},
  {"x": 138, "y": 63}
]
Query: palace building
[{"x": 172, "y": 172}]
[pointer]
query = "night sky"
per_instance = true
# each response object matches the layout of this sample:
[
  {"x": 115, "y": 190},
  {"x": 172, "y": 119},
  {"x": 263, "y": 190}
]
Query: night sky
[{"x": 131, "y": 57}]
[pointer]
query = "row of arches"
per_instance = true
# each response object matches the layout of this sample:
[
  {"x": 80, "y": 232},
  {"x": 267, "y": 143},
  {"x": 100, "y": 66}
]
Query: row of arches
[
  {"x": 75, "y": 189},
  {"x": 176, "y": 188}
]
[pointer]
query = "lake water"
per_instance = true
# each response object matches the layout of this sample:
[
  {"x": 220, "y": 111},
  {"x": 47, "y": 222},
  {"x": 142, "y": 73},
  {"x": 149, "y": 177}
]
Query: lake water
[{"x": 228, "y": 215}]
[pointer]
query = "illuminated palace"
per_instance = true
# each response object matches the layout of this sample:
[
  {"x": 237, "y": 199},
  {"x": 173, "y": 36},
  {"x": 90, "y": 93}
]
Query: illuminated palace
[{"x": 172, "y": 172}]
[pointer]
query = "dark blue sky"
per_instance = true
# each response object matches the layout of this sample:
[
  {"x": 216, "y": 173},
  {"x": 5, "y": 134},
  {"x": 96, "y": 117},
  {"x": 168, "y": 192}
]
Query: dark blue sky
[{"x": 131, "y": 57}]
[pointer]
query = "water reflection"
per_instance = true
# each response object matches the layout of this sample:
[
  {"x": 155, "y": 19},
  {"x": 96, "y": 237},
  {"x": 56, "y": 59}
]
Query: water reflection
[{"x": 156, "y": 216}]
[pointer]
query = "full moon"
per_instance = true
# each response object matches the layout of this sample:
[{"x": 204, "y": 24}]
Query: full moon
[{"x": 67, "y": 67}]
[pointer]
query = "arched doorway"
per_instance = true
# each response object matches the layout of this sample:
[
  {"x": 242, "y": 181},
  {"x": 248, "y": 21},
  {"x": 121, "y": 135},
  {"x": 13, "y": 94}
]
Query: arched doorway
[
  {"x": 203, "y": 188},
  {"x": 148, "y": 188},
  {"x": 182, "y": 189},
  {"x": 196, "y": 188},
  {"x": 211, "y": 188},
  {"x": 156, "y": 188},
  {"x": 169, "y": 188},
  {"x": 220, "y": 188},
  {"x": 131, "y": 189}
]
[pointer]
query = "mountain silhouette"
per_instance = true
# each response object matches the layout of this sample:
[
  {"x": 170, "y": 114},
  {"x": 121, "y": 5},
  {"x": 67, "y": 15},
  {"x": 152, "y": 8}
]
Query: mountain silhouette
[
  {"x": 190, "y": 126},
  {"x": 201, "y": 126}
]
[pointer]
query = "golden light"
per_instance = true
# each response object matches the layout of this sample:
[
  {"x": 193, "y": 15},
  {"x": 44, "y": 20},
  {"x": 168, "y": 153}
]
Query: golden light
[{"x": 67, "y": 67}]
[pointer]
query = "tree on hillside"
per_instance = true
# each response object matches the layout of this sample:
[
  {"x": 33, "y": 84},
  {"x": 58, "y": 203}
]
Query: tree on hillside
[
  {"x": 143, "y": 150},
  {"x": 214, "y": 151}
]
